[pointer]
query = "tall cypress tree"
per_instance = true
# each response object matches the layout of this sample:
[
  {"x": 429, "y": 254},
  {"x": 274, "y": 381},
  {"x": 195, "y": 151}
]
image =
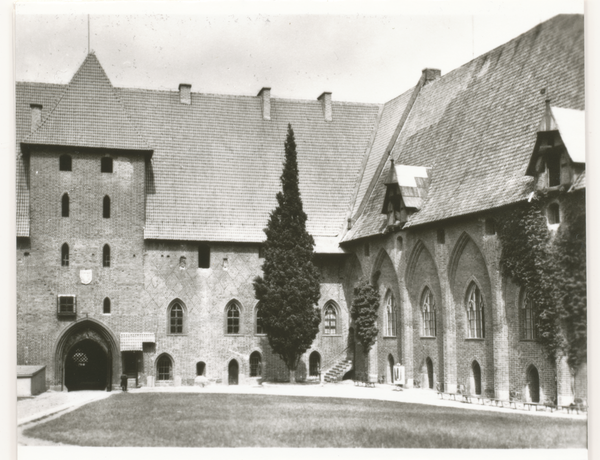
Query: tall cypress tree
[{"x": 290, "y": 287}]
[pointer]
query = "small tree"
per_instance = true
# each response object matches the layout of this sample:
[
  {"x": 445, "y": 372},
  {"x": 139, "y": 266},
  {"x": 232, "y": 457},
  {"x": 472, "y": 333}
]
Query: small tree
[
  {"x": 364, "y": 314},
  {"x": 290, "y": 287}
]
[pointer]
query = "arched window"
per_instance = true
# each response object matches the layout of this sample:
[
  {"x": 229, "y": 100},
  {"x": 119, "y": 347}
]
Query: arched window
[
  {"x": 106, "y": 207},
  {"x": 314, "y": 364},
  {"x": 65, "y": 205},
  {"x": 390, "y": 315},
  {"x": 233, "y": 318},
  {"x": 255, "y": 364},
  {"x": 106, "y": 308},
  {"x": 64, "y": 255},
  {"x": 330, "y": 320},
  {"x": 259, "y": 320},
  {"x": 106, "y": 256},
  {"x": 201, "y": 368},
  {"x": 106, "y": 165},
  {"x": 64, "y": 163},
  {"x": 176, "y": 319},
  {"x": 164, "y": 368},
  {"x": 428, "y": 309},
  {"x": 475, "y": 312},
  {"x": 527, "y": 316},
  {"x": 476, "y": 376},
  {"x": 553, "y": 214}
]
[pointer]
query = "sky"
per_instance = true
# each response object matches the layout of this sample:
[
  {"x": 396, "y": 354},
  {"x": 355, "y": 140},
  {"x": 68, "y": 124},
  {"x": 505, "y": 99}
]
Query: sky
[{"x": 361, "y": 52}]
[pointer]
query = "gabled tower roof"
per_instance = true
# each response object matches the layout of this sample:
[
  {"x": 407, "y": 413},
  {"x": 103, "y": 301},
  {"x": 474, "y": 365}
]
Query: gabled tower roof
[{"x": 89, "y": 114}]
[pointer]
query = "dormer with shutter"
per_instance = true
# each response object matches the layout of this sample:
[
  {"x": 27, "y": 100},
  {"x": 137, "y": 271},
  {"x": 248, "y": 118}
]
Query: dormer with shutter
[
  {"x": 406, "y": 189},
  {"x": 558, "y": 158}
]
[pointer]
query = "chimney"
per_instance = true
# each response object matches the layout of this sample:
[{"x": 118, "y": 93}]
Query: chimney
[
  {"x": 325, "y": 99},
  {"x": 265, "y": 95},
  {"x": 36, "y": 116},
  {"x": 430, "y": 75},
  {"x": 185, "y": 93}
]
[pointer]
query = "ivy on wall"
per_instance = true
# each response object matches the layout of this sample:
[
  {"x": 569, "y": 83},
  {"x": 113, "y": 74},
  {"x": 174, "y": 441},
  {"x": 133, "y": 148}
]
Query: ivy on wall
[{"x": 551, "y": 265}]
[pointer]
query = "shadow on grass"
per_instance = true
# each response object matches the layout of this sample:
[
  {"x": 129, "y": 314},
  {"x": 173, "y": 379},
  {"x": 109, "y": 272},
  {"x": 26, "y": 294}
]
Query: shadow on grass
[{"x": 230, "y": 420}]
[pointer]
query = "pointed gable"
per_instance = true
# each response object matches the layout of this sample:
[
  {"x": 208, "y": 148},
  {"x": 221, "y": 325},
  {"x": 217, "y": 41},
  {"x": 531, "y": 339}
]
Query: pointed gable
[{"x": 89, "y": 114}]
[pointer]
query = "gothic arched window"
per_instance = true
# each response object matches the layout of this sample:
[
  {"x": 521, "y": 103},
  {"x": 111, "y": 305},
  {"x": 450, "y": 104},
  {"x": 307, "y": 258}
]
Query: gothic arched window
[
  {"x": 428, "y": 311},
  {"x": 475, "y": 312}
]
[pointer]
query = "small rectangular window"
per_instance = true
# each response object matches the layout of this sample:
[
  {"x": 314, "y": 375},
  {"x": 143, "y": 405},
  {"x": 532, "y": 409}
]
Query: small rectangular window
[
  {"x": 106, "y": 165},
  {"x": 367, "y": 250},
  {"x": 203, "y": 256},
  {"x": 261, "y": 252},
  {"x": 490, "y": 226},
  {"x": 441, "y": 236},
  {"x": 66, "y": 305}
]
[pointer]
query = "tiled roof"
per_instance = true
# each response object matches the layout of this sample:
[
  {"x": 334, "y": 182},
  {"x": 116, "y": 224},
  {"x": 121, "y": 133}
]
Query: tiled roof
[
  {"x": 88, "y": 114},
  {"x": 216, "y": 164},
  {"x": 47, "y": 96},
  {"x": 388, "y": 121},
  {"x": 476, "y": 126}
]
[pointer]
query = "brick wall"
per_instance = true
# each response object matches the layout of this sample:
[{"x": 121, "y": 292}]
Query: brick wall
[{"x": 40, "y": 276}]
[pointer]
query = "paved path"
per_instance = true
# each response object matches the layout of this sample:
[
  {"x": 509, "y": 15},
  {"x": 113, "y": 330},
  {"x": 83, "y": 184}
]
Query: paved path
[{"x": 53, "y": 404}]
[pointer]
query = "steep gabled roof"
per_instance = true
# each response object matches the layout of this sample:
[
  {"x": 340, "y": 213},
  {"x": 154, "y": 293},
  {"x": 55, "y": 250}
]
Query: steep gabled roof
[
  {"x": 89, "y": 114},
  {"x": 216, "y": 163},
  {"x": 476, "y": 126}
]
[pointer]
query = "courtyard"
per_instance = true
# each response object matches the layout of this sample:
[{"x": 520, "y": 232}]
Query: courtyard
[{"x": 304, "y": 416}]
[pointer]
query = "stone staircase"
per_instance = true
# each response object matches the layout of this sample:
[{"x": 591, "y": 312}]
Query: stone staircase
[{"x": 335, "y": 373}]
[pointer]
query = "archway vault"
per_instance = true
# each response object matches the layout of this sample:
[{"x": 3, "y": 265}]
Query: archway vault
[{"x": 87, "y": 330}]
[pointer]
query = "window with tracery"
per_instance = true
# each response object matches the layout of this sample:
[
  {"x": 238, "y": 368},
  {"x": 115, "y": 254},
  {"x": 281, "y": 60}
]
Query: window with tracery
[
  {"x": 233, "y": 319},
  {"x": 428, "y": 310},
  {"x": 330, "y": 320},
  {"x": 176, "y": 319},
  {"x": 390, "y": 315},
  {"x": 475, "y": 312},
  {"x": 527, "y": 313},
  {"x": 259, "y": 321},
  {"x": 164, "y": 368}
]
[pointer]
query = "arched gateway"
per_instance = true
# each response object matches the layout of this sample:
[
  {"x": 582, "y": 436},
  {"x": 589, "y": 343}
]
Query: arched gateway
[{"x": 86, "y": 357}]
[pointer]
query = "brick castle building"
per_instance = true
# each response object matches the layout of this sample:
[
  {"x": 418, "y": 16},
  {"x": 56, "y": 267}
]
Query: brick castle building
[{"x": 140, "y": 220}]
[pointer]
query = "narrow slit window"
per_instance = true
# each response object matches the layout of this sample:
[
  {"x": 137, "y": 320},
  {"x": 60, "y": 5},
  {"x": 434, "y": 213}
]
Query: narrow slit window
[
  {"x": 106, "y": 207},
  {"x": 106, "y": 165},
  {"x": 106, "y": 256},
  {"x": 106, "y": 308},
  {"x": 64, "y": 255},
  {"x": 65, "y": 205}
]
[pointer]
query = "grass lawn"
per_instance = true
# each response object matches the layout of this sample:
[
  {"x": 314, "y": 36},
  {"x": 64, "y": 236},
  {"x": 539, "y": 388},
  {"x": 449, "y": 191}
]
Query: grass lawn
[{"x": 230, "y": 420}]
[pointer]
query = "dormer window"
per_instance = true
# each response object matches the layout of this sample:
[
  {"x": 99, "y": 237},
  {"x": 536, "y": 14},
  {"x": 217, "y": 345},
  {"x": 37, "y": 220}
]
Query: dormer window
[
  {"x": 558, "y": 158},
  {"x": 553, "y": 169},
  {"x": 407, "y": 187}
]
